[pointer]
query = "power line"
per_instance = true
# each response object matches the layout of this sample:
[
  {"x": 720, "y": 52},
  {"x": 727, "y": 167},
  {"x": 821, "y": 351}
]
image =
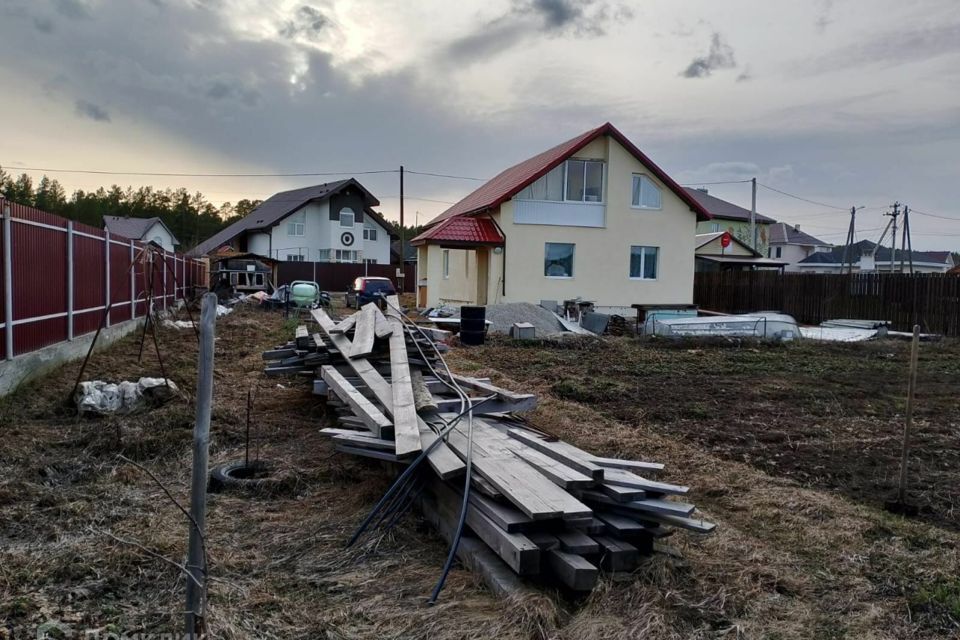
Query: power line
[
  {"x": 444, "y": 175},
  {"x": 206, "y": 175},
  {"x": 820, "y": 204},
  {"x": 934, "y": 215},
  {"x": 705, "y": 184}
]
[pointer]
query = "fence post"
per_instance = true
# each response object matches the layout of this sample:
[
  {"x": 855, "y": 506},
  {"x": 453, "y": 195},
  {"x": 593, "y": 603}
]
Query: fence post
[
  {"x": 69, "y": 279},
  {"x": 133, "y": 285},
  {"x": 106, "y": 271},
  {"x": 164, "y": 258},
  {"x": 7, "y": 281}
]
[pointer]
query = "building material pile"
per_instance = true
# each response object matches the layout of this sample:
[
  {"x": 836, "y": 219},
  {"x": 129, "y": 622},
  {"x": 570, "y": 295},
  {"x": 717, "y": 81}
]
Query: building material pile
[{"x": 536, "y": 507}]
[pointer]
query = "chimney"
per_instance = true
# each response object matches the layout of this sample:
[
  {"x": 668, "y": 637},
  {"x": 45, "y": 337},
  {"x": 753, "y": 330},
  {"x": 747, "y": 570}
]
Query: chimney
[
  {"x": 702, "y": 190},
  {"x": 796, "y": 228}
]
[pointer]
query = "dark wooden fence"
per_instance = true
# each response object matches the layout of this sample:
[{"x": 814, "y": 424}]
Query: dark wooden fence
[
  {"x": 932, "y": 300},
  {"x": 338, "y": 276}
]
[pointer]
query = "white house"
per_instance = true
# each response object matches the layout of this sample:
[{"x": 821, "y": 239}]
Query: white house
[
  {"x": 332, "y": 222},
  {"x": 143, "y": 229},
  {"x": 867, "y": 257},
  {"x": 592, "y": 217},
  {"x": 791, "y": 245}
]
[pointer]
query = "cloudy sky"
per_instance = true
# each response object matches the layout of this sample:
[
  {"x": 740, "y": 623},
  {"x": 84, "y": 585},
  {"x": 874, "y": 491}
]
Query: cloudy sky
[{"x": 842, "y": 102}]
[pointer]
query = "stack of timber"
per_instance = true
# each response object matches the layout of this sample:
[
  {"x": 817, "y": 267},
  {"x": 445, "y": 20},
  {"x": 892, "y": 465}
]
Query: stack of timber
[{"x": 539, "y": 508}]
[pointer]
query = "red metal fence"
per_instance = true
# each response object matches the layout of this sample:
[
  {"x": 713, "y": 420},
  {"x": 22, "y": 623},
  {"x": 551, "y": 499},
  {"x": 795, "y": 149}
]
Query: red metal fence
[
  {"x": 58, "y": 276},
  {"x": 338, "y": 276}
]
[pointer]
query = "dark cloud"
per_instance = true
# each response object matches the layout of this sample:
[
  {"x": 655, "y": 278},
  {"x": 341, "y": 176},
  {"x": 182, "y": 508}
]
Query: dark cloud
[
  {"x": 529, "y": 18},
  {"x": 720, "y": 56},
  {"x": 308, "y": 22},
  {"x": 90, "y": 110},
  {"x": 73, "y": 9},
  {"x": 889, "y": 49},
  {"x": 232, "y": 90}
]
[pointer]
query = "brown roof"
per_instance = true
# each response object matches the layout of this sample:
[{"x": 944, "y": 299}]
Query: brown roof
[
  {"x": 511, "y": 181},
  {"x": 783, "y": 233},
  {"x": 133, "y": 228},
  {"x": 725, "y": 210}
]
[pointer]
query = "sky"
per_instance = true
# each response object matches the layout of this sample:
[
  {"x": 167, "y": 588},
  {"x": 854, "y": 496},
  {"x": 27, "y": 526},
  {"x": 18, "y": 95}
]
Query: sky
[{"x": 840, "y": 102}]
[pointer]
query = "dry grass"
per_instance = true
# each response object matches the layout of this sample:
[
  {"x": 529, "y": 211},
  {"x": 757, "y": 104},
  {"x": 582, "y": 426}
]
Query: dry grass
[{"x": 786, "y": 562}]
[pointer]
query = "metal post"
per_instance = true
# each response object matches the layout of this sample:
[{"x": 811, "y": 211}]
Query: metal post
[
  {"x": 753, "y": 214},
  {"x": 196, "y": 588},
  {"x": 908, "y": 422},
  {"x": 403, "y": 280},
  {"x": 8, "y": 281},
  {"x": 69, "y": 279},
  {"x": 164, "y": 258},
  {"x": 133, "y": 285},
  {"x": 106, "y": 271}
]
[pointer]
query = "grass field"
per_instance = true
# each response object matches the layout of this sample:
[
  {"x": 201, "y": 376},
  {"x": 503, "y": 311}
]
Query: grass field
[{"x": 789, "y": 449}]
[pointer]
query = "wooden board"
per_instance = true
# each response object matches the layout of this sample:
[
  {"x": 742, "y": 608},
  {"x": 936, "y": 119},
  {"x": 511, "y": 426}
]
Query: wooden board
[
  {"x": 364, "y": 332},
  {"x": 629, "y": 465},
  {"x": 622, "y": 478},
  {"x": 619, "y": 524},
  {"x": 572, "y": 570},
  {"x": 557, "y": 472},
  {"x": 362, "y": 408},
  {"x": 505, "y": 516},
  {"x": 346, "y": 324},
  {"x": 382, "y": 328},
  {"x": 617, "y": 555},
  {"x": 405, "y": 430},
  {"x": 577, "y": 542},
  {"x": 558, "y": 451}
]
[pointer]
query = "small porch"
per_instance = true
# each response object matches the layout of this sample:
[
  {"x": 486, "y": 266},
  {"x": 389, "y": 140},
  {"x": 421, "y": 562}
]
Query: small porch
[
  {"x": 459, "y": 261},
  {"x": 721, "y": 251}
]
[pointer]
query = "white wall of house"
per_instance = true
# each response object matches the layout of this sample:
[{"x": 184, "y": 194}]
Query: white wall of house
[
  {"x": 158, "y": 233},
  {"x": 793, "y": 253},
  {"x": 258, "y": 242},
  {"x": 451, "y": 273},
  {"x": 602, "y": 255}
]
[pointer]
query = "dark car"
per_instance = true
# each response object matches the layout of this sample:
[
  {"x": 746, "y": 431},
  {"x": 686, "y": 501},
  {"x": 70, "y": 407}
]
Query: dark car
[{"x": 366, "y": 290}]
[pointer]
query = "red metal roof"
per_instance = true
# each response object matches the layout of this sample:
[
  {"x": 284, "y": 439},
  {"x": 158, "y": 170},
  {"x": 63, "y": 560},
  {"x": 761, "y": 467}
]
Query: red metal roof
[
  {"x": 461, "y": 230},
  {"x": 509, "y": 182}
]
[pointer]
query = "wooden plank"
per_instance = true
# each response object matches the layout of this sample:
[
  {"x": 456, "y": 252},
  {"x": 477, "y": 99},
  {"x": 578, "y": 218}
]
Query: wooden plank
[
  {"x": 572, "y": 570},
  {"x": 364, "y": 332},
  {"x": 623, "y": 478},
  {"x": 617, "y": 555},
  {"x": 422, "y": 397},
  {"x": 367, "y": 453},
  {"x": 621, "y": 494},
  {"x": 441, "y": 459},
  {"x": 371, "y": 416},
  {"x": 594, "y": 525},
  {"x": 545, "y": 541},
  {"x": 577, "y": 542},
  {"x": 405, "y": 430},
  {"x": 485, "y": 487},
  {"x": 651, "y": 505},
  {"x": 558, "y": 473},
  {"x": 382, "y": 328},
  {"x": 505, "y": 516},
  {"x": 346, "y": 324},
  {"x": 619, "y": 524},
  {"x": 629, "y": 465},
  {"x": 558, "y": 451},
  {"x": 301, "y": 337},
  {"x": 522, "y": 401},
  {"x": 690, "y": 524}
]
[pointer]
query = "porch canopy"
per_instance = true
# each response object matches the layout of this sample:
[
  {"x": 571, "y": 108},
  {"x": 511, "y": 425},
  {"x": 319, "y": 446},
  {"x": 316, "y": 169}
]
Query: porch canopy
[{"x": 462, "y": 232}]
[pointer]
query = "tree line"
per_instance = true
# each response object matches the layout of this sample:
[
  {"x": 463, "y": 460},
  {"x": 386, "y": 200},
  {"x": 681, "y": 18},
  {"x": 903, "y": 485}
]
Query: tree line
[{"x": 191, "y": 217}]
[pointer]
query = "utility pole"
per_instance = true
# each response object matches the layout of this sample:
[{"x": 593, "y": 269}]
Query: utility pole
[
  {"x": 906, "y": 243},
  {"x": 893, "y": 245},
  {"x": 848, "y": 246},
  {"x": 753, "y": 214},
  {"x": 403, "y": 284}
]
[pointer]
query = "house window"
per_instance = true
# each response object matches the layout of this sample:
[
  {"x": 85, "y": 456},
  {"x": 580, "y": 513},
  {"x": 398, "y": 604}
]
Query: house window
[
  {"x": 323, "y": 255},
  {"x": 779, "y": 251},
  {"x": 294, "y": 257},
  {"x": 558, "y": 260},
  {"x": 572, "y": 181},
  {"x": 369, "y": 234},
  {"x": 646, "y": 194},
  {"x": 370, "y": 260},
  {"x": 446, "y": 263},
  {"x": 347, "y": 217},
  {"x": 347, "y": 255},
  {"x": 259, "y": 279},
  {"x": 643, "y": 263},
  {"x": 714, "y": 226},
  {"x": 297, "y": 223}
]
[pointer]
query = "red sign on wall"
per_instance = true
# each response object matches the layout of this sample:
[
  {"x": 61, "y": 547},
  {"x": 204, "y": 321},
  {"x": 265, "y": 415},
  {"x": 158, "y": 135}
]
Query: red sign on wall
[{"x": 725, "y": 239}]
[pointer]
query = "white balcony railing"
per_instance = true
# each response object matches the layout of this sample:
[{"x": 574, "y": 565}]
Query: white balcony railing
[{"x": 566, "y": 214}]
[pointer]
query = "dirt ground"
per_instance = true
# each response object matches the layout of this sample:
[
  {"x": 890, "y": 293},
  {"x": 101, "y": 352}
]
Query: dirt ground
[{"x": 91, "y": 541}]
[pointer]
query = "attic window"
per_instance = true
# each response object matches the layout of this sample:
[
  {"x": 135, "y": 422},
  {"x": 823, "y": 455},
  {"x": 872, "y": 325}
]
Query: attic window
[
  {"x": 646, "y": 194},
  {"x": 346, "y": 217},
  {"x": 572, "y": 181},
  {"x": 296, "y": 223}
]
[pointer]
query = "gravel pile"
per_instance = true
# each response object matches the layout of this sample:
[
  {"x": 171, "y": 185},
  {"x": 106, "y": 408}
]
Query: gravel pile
[{"x": 503, "y": 316}]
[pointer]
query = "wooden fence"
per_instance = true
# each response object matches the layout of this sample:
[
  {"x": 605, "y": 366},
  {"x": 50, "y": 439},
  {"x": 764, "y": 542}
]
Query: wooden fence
[
  {"x": 932, "y": 300},
  {"x": 57, "y": 276},
  {"x": 338, "y": 276}
]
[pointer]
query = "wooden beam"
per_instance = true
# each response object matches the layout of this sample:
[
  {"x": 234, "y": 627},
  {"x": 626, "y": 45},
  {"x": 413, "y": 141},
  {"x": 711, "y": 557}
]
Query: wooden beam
[
  {"x": 364, "y": 332},
  {"x": 371, "y": 416},
  {"x": 629, "y": 465},
  {"x": 346, "y": 324},
  {"x": 505, "y": 516},
  {"x": 622, "y": 478},
  {"x": 558, "y": 473},
  {"x": 620, "y": 525},
  {"x": 572, "y": 570},
  {"x": 577, "y": 542},
  {"x": 382, "y": 328},
  {"x": 405, "y": 429},
  {"x": 617, "y": 555},
  {"x": 558, "y": 451}
]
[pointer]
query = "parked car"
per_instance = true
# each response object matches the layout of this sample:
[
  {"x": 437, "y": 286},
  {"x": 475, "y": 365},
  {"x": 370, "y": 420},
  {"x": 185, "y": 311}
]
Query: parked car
[{"x": 366, "y": 290}]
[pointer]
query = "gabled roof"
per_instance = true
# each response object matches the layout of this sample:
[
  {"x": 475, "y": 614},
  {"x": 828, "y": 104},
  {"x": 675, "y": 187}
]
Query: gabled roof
[
  {"x": 276, "y": 208},
  {"x": 783, "y": 233},
  {"x": 703, "y": 239},
  {"x": 725, "y": 210},
  {"x": 133, "y": 228},
  {"x": 866, "y": 247},
  {"x": 509, "y": 182},
  {"x": 461, "y": 230}
]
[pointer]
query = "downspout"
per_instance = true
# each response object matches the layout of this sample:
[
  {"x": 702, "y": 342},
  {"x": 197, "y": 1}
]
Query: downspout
[{"x": 503, "y": 264}]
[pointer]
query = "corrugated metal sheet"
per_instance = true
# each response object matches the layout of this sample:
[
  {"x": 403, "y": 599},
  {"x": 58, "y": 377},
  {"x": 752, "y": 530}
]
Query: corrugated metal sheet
[{"x": 38, "y": 292}]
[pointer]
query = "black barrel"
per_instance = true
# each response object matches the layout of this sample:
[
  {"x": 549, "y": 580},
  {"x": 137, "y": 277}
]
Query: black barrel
[{"x": 473, "y": 322}]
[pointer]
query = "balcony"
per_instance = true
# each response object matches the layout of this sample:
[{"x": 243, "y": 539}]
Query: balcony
[{"x": 565, "y": 214}]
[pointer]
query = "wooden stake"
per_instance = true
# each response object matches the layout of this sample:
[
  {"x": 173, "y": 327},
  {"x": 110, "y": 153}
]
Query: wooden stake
[
  {"x": 196, "y": 596},
  {"x": 908, "y": 422}
]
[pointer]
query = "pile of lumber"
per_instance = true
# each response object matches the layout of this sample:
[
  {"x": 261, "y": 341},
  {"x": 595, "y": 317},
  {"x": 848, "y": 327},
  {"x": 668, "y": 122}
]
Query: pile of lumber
[{"x": 539, "y": 508}]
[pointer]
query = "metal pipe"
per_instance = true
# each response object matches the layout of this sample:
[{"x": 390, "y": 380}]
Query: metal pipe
[
  {"x": 7, "y": 282},
  {"x": 106, "y": 271},
  {"x": 69, "y": 279},
  {"x": 196, "y": 596}
]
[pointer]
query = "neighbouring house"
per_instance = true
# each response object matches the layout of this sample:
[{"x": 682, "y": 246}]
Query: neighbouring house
[
  {"x": 143, "y": 229},
  {"x": 332, "y": 222},
  {"x": 592, "y": 217},
  {"x": 790, "y": 244},
  {"x": 867, "y": 257},
  {"x": 711, "y": 255},
  {"x": 409, "y": 252},
  {"x": 726, "y": 216},
  {"x": 243, "y": 272}
]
